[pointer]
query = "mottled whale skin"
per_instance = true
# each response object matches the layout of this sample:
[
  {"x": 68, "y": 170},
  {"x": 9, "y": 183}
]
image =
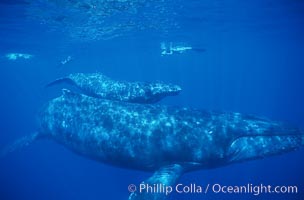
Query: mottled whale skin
[
  {"x": 166, "y": 140},
  {"x": 101, "y": 86}
]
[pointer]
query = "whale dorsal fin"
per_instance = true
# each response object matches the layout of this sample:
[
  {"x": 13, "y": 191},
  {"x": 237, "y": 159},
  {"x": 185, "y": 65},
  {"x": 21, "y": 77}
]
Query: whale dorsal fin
[{"x": 167, "y": 175}]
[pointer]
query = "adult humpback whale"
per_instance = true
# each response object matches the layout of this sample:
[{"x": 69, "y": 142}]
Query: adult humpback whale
[
  {"x": 100, "y": 86},
  {"x": 166, "y": 140}
]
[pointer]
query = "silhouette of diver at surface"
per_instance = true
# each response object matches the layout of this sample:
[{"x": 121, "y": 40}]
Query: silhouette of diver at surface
[{"x": 170, "y": 48}]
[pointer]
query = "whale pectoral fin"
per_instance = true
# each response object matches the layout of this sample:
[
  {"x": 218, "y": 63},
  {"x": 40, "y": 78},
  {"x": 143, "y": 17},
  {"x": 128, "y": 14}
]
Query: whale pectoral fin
[
  {"x": 20, "y": 143},
  {"x": 165, "y": 176},
  {"x": 65, "y": 80}
]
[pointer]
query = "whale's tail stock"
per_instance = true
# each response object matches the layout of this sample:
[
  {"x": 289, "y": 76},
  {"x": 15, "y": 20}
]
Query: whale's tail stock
[{"x": 19, "y": 144}]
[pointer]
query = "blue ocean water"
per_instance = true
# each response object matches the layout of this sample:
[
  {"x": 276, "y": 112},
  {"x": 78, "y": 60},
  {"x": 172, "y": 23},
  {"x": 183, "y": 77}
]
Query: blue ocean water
[{"x": 252, "y": 63}]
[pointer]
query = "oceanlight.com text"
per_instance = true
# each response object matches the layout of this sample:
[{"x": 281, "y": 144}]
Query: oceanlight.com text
[{"x": 254, "y": 189}]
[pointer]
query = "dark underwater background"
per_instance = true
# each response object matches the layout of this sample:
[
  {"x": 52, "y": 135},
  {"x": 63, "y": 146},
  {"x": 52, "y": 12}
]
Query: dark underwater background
[{"x": 252, "y": 63}]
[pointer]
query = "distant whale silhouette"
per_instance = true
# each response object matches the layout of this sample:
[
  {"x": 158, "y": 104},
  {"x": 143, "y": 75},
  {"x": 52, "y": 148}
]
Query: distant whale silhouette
[
  {"x": 100, "y": 86},
  {"x": 168, "y": 141},
  {"x": 15, "y": 56}
]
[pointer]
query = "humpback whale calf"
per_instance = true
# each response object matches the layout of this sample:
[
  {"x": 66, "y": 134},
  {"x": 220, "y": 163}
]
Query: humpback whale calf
[
  {"x": 99, "y": 85},
  {"x": 168, "y": 141}
]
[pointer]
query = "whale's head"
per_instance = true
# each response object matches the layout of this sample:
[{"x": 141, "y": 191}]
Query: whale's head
[
  {"x": 158, "y": 90},
  {"x": 262, "y": 138}
]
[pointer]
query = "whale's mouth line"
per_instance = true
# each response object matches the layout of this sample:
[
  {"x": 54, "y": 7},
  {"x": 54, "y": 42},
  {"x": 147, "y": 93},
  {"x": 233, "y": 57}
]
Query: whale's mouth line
[
  {"x": 243, "y": 147},
  {"x": 269, "y": 135}
]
